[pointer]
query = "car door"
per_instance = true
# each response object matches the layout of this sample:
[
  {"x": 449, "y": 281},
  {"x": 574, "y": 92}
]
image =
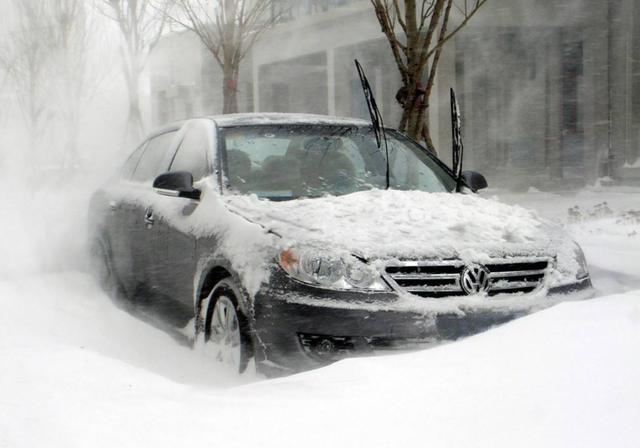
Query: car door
[
  {"x": 147, "y": 247},
  {"x": 194, "y": 156},
  {"x": 117, "y": 225}
]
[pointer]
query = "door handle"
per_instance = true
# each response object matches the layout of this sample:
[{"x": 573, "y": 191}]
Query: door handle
[{"x": 149, "y": 219}]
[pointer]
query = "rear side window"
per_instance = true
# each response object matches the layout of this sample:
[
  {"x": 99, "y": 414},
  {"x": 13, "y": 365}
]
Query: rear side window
[
  {"x": 130, "y": 165},
  {"x": 153, "y": 161},
  {"x": 192, "y": 154}
]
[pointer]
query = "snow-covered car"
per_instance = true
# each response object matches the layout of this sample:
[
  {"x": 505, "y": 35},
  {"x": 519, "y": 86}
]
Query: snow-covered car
[{"x": 278, "y": 234}]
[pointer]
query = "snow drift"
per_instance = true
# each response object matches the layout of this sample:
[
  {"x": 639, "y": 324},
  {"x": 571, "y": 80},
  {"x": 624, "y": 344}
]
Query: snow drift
[{"x": 78, "y": 372}]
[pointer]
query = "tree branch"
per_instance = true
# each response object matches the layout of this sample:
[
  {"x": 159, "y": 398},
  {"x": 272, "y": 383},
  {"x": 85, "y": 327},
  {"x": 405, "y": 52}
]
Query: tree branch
[
  {"x": 475, "y": 9},
  {"x": 382, "y": 13}
]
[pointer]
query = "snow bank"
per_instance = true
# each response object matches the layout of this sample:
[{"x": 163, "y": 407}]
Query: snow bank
[{"x": 78, "y": 372}]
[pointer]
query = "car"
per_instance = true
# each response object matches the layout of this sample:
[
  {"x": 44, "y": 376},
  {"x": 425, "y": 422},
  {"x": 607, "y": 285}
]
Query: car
[{"x": 294, "y": 241}]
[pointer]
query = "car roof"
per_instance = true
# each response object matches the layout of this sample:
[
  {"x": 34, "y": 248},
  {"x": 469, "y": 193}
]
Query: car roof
[
  {"x": 263, "y": 118},
  {"x": 171, "y": 127},
  {"x": 252, "y": 119}
]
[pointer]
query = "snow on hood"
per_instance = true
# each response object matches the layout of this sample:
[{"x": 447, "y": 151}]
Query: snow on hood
[{"x": 406, "y": 224}]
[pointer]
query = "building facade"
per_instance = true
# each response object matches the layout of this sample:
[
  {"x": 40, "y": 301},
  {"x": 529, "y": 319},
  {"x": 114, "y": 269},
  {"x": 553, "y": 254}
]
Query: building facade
[{"x": 550, "y": 91}]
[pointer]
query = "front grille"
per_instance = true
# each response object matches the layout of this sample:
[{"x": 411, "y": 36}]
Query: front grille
[{"x": 442, "y": 278}]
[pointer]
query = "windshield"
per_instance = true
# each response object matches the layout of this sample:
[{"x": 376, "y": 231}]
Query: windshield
[{"x": 290, "y": 161}]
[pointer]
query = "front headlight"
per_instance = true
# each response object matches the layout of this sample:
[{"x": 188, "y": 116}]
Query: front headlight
[
  {"x": 583, "y": 271},
  {"x": 318, "y": 268}
]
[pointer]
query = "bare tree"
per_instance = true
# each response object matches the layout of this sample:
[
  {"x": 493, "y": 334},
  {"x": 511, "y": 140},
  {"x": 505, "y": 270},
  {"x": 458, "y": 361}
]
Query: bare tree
[
  {"x": 70, "y": 37},
  {"x": 45, "y": 58},
  {"x": 417, "y": 31},
  {"x": 23, "y": 57},
  {"x": 228, "y": 29},
  {"x": 141, "y": 23}
]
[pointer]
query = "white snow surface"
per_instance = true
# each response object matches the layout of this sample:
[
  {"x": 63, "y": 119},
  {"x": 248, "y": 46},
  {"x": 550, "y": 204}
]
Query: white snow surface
[
  {"x": 635, "y": 164},
  {"x": 77, "y": 371}
]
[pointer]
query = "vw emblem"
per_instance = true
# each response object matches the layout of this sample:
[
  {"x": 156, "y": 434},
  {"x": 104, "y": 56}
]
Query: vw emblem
[{"x": 475, "y": 279}]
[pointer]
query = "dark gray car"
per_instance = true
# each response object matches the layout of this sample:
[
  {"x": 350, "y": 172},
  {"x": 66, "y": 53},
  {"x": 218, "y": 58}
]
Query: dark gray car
[{"x": 276, "y": 234}]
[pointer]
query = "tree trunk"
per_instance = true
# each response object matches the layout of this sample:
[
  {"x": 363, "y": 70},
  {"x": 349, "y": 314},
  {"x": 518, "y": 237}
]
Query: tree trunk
[
  {"x": 135, "y": 125},
  {"x": 71, "y": 143},
  {"x": 135, "y": 128},
  {"x": 33, "y": 117},
  {"x": 414, "y": 121},
  {"x": 230, "y": 89}
]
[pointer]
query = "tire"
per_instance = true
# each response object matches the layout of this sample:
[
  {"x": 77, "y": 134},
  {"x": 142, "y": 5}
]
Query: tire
[{"x": 226, "y": 328}]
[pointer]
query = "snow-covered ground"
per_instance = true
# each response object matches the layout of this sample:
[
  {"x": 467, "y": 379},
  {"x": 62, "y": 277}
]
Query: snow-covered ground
[
  {"x": 606, "y": 223},
  {"x": 77, "y": 371}
]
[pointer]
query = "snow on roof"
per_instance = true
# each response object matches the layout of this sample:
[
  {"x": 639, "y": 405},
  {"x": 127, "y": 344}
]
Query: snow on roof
[{"x": 250, "y": 119}]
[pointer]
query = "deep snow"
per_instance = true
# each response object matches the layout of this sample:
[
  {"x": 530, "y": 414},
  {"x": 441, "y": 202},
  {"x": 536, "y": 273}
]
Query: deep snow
[{"x": 78, "y": 371}]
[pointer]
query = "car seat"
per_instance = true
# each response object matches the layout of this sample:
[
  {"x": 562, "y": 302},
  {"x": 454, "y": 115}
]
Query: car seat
[
  {"x": 239, "y": 174},
  {"x": 281, "y": 173},
  {"x": 324, "y": 169}
]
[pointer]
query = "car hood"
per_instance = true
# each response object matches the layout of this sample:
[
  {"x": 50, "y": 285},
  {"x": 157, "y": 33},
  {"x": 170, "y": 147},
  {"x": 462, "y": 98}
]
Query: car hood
[{"x": 405, "y": 224}]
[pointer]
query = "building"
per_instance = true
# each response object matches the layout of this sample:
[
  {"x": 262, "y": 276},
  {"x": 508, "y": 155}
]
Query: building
[{"x": 550, "y": 91}]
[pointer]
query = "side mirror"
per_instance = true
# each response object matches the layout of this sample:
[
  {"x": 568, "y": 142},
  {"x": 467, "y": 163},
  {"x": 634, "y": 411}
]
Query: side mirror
[
  {"x": 178, "y": 184},
  {"x": 475, "y": 181}
]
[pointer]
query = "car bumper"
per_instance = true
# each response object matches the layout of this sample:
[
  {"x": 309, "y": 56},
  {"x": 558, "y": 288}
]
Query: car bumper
[{"x": 298, "y": 327}]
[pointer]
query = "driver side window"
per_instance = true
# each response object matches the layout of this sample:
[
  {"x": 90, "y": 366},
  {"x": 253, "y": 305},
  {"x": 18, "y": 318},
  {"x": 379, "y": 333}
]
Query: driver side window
[
  {"x": 153, "y": 161},
  {"x": 132, "y": 162},
  {"x": 192, "y": 155}
]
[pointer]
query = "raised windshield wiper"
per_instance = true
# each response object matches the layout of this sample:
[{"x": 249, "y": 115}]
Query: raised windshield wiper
[
  {"x": 456, "y": 138},
  {"x": 376, "y": 117}
]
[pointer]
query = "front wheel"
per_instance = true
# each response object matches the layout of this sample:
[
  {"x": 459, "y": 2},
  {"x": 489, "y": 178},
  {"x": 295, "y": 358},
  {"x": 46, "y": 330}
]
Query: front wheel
[{"x": 226, "y": 328}]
